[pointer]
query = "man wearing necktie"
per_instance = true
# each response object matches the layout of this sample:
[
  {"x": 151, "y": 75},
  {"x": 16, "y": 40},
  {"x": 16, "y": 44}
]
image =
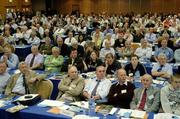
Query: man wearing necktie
[
  {"x": 24, "y": 82},
  {"x": 35, "y": 59},
  {"x": 162, "y": 70},
  {"x": 146, "y": 98},
  {"x": 97, "y": 88}
]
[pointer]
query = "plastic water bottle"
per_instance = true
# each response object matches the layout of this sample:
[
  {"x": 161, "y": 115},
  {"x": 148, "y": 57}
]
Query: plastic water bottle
[
  {"x": 91, "y": 107},
  {"x": 137, "y": 76}
]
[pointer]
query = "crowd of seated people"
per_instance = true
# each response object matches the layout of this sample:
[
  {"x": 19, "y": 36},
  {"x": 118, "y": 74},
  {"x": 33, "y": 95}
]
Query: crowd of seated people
[{"x": 71, "y": 44}]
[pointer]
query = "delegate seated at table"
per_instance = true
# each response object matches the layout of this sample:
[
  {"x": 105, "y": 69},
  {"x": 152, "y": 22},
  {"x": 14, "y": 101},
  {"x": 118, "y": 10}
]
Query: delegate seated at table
[
  {"x": 71, "y": 86},
  {"x": 162, "y": 70},
  {"x": 25, "y": 82},
  {"x": 135, "y": 68},
  {"x": 10, "y": 58},
  {"x": 75, "y": 60},
  {"x": 111, "y": 64},
  {"x": 98, "y": 87},
  {"x": 35, "y": 59},
  {"x": 54, "y": 62},
  {"x": 121, "y": 93},
  {"x": 170, "y": 96},
  {"x": 4, "y": 76},
  {"x": 146, "y": 98}
]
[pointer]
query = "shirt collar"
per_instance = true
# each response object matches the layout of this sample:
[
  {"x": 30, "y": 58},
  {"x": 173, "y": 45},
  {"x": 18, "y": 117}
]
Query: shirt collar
[{"x": 125, "y": 83}]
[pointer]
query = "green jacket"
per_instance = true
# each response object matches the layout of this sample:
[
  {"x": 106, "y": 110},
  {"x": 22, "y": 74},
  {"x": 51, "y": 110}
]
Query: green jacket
[{"x": 53, "y": 64}]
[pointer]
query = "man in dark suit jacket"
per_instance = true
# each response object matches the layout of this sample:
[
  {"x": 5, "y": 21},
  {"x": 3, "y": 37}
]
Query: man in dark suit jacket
[{"x": 75, "y": 60}]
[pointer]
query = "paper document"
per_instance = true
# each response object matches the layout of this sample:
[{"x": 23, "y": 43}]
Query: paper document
[{"x": 51, "y": 103}]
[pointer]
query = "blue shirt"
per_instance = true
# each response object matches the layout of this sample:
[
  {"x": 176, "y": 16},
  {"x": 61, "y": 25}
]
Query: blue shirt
[
  {"x": 167, "y": 51},
  {"x": 12, "y": 61},
  {"x": 102, "y": 89}
]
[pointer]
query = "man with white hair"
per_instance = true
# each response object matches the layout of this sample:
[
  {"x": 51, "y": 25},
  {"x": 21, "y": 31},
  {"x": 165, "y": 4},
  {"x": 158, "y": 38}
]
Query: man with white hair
[
  {"x": 24, "y": 82},
  {"x": 146, "y": 98},
  {"x": 162, "y": 70},
  {"x": 35, "y": 59}
]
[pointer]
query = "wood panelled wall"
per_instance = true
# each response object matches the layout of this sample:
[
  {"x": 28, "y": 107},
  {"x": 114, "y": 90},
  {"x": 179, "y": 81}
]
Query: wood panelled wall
[
  {"x": 15, "y": 4},
  {"x": 117, "y": 6}
]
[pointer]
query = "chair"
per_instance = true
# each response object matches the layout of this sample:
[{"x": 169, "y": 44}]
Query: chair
[{"x": 45, "y": 88}]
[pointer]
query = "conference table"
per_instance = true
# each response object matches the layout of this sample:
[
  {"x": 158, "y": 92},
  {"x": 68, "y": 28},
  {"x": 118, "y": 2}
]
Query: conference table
[{"x": 38, "y": 112}]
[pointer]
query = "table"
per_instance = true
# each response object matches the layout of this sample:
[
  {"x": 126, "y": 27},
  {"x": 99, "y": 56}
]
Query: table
[
  {"x": 22, "y": 51},
  {"x": 35, "y": 112}
]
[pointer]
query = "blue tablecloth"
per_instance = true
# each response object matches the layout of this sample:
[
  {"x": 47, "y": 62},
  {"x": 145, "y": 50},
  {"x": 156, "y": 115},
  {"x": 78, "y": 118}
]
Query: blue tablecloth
[{"x": 35, "y": 112}]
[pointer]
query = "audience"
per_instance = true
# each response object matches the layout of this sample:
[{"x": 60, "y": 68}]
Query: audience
[{"x": 24, "y": 30}]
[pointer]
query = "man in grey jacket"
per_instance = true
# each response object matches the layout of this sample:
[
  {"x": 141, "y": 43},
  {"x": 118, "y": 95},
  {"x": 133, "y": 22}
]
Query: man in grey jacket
[{"x": 146, "y": 98}]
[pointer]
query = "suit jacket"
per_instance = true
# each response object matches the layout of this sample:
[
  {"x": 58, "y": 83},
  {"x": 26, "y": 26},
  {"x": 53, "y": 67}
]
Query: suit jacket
[
  {"x": 152, "y": 99},
  {"x": 32, "y": 87},
  {"x": 77, "y": 86}
]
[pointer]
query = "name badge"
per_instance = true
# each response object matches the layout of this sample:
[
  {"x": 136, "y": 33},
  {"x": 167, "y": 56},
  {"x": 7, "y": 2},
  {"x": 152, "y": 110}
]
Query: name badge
[
  {"x": 151, "y": 97},
  {"x": 124, "y": 91}
]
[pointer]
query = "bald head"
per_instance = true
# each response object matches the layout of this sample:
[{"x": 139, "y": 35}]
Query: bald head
[{"x": 121, "y": 74}]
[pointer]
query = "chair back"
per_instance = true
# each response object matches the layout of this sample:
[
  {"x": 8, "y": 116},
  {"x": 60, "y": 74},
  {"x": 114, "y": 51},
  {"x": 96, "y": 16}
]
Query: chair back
[{"x": 45, "y": 88}]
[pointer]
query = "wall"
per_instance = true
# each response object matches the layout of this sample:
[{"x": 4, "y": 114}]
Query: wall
[
  {"x": 118, "y": 6},
  {"x": 38, "y": 5}
]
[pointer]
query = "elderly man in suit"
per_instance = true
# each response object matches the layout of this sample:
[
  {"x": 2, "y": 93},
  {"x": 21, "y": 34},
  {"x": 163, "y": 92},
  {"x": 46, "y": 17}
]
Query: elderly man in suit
[
  {"x": 71, "y": 86},
  {"x": 24, "y": 82},
  {"x": 146, "y": 98}
]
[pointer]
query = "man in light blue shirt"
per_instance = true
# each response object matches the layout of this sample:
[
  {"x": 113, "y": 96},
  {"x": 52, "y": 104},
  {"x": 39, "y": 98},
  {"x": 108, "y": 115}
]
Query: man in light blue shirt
[
  {"x": 164, "y": 50},
  {"x": 10, "y": 58},
  {"x": 162, "y": 70},
  {"x": 97, "y": 88},
  {"x": 4, "y": 76}
]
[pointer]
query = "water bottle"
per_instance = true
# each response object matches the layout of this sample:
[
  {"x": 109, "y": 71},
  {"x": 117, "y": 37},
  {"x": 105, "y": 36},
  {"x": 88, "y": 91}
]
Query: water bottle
[
  {"x": 137, "y": 76},
  {"x": 91, "y": 107}
]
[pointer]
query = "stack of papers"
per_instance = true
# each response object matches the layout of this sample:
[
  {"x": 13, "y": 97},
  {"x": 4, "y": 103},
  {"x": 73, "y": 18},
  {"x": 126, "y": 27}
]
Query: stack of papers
[
  {"x": 166, "y": 116},
  {"x": 82, "y": 104},
  {"x": 158, "y": 82},
  {"x": 127, "y": 113},
  {"x": 51, "y": 103},
  {"x": 2, "y": 103}
]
